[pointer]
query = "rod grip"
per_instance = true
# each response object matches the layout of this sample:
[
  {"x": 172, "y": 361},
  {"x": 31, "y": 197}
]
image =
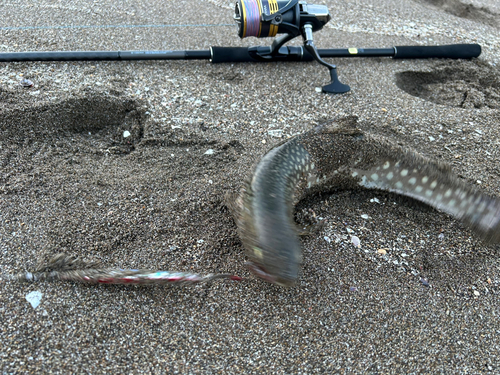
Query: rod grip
[
  {"x": 452, "y": 51},
  {"x": 231, "y": 54}
]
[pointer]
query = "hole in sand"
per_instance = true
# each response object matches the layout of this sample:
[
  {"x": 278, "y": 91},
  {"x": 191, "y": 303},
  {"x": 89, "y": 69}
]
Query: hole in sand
[
  {"x": 93, "y": 121},
  {"x": 466, "y": 10},
  {"x": 464, "y": 84}
]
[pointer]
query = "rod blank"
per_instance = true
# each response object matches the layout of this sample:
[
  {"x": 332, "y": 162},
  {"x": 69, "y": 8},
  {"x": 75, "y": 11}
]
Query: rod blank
[{"x": 244, "y": 54}]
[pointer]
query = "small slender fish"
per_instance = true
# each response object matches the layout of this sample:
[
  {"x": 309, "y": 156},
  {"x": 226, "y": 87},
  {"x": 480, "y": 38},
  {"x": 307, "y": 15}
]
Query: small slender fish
[
  {"x": 66, "y": 268},
  {"x": 340, "y": 155}
]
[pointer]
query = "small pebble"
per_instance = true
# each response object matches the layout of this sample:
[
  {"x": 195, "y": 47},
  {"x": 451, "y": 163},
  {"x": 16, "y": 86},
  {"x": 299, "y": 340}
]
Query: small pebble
[
  {"x": 355, "y": 241},
  {"x": 34, "y": 298},
  {"x": 382, "y": 251},
  {"x": 209, "y": 152},
  {"x": 26, "y": 83},
  {"x": 275, "y": 133},
  {"x": 126, "y": 134}
]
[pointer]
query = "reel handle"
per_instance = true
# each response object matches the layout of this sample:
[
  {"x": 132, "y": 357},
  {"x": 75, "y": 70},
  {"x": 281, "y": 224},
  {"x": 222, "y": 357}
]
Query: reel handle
[{"x": 335, "y": 86}]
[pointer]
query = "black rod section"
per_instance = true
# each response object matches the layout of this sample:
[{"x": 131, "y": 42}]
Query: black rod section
[
  {"x": 104, "y": 55},
  {"x": 453, "y": 51},
  {"x": 242, "y": 54}
]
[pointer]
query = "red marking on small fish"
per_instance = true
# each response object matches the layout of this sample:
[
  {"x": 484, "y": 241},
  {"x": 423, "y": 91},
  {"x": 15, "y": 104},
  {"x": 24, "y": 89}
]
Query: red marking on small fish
[
  {"x": 127, "y": 280},
  {"x": 174, "y": 279},
  {"x": 106, "y": 280}
]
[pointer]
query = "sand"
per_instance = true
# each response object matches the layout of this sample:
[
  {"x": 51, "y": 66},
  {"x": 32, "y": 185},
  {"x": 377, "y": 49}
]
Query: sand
[{"x": 419, "y": 295}]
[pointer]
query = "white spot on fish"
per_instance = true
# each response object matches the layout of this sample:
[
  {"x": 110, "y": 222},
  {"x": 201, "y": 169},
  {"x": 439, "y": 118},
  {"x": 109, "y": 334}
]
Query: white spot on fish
[
  {"x": 451, "y": 203},
  {"x": 481, "y": 207},
  {"x": 374, "y": 177},
  {"x": 386, "y": 165},
  {"x": 404, "y": 172},
  {"x": 425, "y": 179},
  {"x": 412, "y": 181},
  {"x": 354, "y": 174},
  {"x": 428, "y": 193},
  {"x": 434, "y": 184},
  {"x": 258, "y": 253},
  {"x": 368, "y": 184},
  {"x": 448, "y": 193},
  {"x": 419, "y": 189},
  {"x": 398, "y": 185},
  {"x": 389, "y": 176}
]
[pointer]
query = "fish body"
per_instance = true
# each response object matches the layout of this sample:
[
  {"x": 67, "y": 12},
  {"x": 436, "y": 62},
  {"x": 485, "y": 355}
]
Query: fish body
[{"x": 340, "y": 155}]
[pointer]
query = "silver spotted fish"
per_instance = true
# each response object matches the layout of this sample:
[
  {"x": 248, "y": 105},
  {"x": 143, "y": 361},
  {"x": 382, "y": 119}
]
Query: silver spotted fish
[{"x": 340, "y": 155}]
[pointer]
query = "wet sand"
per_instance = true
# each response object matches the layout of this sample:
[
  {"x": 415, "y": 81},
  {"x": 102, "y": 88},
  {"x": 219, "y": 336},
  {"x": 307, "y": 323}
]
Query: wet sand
[{"x": 420, "y": 294}]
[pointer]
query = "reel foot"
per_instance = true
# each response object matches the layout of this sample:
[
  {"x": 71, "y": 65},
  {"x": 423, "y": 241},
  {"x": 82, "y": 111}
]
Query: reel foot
[{"x": 335, "y": 86}]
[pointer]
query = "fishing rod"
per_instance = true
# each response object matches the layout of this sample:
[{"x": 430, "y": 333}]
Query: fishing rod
[{"x": 262, "y": 19}]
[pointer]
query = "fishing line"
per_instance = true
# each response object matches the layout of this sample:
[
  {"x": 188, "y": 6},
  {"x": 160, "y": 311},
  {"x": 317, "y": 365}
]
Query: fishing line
[{"x": 19, "y": 28}]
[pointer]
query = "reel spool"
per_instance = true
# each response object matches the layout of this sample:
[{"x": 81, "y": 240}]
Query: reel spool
[{"x": 267, "y": 18}]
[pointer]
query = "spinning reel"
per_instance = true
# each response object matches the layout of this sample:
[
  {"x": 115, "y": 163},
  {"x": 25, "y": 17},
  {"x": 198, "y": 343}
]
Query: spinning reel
[{"x": 267, "y": 18}]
